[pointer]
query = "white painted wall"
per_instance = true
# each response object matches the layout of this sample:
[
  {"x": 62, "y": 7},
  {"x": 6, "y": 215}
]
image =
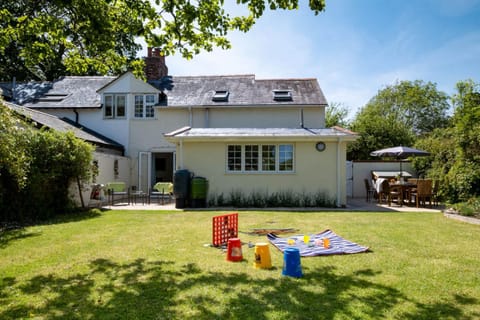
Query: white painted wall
[
  {"x": 362, "y": 170},
  {"x": 106, "y": 174},
  {"x": 259, "y": 117}
]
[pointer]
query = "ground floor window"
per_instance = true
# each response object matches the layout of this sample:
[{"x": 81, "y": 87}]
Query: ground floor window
[{"x": 260, "y": 158}]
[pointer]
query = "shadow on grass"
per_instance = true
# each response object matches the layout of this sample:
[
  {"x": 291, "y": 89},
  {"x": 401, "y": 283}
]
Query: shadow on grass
[
  {"x": 163, "y": 290},
  {"x": 6, "y": 237},
  {"x": 75, "y": 216},
  {"x": 17, "y": 232}
]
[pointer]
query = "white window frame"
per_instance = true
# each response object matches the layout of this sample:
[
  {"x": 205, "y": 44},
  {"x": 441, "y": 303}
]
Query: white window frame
[
  {"x": 148, "y": 101},
  {"x": 115, "y": 98},
  {"x": 248, "y": 160},
  {"x": 109, "y": 106}
]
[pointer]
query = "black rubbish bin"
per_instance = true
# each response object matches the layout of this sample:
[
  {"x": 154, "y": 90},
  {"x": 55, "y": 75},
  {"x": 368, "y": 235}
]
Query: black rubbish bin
[{"x": 181, "y": 188}]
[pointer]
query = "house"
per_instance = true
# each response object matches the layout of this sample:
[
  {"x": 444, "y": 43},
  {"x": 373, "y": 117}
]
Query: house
[{"x": 237, "y": 131}]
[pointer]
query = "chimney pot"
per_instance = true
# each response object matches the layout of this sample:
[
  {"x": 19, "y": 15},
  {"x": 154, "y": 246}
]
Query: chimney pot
[{"x": 155, "y": 67}]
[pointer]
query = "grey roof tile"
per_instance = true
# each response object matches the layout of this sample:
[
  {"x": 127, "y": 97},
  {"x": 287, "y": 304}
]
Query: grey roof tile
[
  {"x": 71, "y": 92},
  {"x": 24, "y": 91},
  {"x": 183, "y": 91},
  {"x": 54, "y": 122},
  {"x": 245, "y": 90}
]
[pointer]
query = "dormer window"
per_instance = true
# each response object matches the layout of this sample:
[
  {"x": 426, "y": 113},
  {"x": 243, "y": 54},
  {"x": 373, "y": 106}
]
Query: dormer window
[
  {"x": 282, "y": 95},
  {"x": 221, "y": 96},
  {"x": 115, "y": 106}
]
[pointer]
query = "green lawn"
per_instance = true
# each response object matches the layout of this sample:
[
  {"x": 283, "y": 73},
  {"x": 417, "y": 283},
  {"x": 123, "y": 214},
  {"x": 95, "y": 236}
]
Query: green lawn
[{"x": 155, "y": 265}]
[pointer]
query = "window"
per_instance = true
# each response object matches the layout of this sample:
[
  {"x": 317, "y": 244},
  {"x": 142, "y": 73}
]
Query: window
[
  {"x": 282, "y": 95},
  {"x": 260, "y": 158},
  {"x": 234, "y": 158},
  {"x": 268, "y": 158},
  {"x": 144, "y": 106},
  {"x": 138, "y": 106},
  {"x": 108, "y": 106},
  {"x": 121, "y": 106},
  {"x": 220, "y": 95},
  {"x": 115, "y": 106},
  {"x": 149, "y": 102},
  {"x": 251, "y": 158},
  {"x": 285, "y": 157}
]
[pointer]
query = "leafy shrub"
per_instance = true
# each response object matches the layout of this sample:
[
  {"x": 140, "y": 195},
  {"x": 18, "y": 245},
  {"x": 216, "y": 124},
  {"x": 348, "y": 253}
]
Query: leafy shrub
[
  {"x": 263, "y": 199},
  {"x": 49, "y": 160},
  {"x": 470, "y": 208}
]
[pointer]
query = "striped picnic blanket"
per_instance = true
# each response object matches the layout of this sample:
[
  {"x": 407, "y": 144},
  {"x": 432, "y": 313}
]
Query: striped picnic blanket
[{"x": 315, "y": 247}]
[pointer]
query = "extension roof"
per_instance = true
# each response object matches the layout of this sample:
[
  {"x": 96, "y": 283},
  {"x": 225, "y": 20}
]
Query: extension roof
[
  {"x": 333, "y": 133},
  {"x": 42, "y": 119}
]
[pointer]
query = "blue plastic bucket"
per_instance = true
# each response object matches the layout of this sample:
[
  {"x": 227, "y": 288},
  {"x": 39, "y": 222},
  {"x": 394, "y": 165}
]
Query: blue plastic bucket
[{"x": 291, "y": 263}]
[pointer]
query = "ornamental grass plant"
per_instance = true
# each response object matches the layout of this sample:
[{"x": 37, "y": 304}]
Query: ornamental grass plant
[{"x": 159, "y": 265}]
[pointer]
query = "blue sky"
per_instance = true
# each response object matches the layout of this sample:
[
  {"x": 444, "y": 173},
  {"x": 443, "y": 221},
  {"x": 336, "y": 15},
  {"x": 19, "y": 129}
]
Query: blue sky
[{"x": 355, "y": 47}]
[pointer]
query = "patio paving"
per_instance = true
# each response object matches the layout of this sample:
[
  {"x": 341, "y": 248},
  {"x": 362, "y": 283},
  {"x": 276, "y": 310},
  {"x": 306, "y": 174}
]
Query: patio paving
[{"x": 353, "y": 204}]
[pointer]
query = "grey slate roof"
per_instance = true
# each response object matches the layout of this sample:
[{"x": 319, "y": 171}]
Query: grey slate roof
[
  {"x": 185, "y": 91},
  {"x": 282, "y": 133},
  {"x": 64, "y": 125},
  {"x": 244, "y": 90},
  {"x": 24, "y": 92},
  {"x": 71, "y": 92}
]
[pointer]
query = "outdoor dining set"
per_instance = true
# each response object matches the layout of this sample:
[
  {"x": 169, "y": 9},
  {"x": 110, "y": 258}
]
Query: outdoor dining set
[
  {"x": 118, "y": 192},
  {"x": 401, "y": 189},
  {"x": 400, "y": 186}
]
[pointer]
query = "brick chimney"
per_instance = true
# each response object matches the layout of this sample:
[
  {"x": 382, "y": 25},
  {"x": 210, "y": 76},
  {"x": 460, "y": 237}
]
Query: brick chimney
[{"x": 155, "y": 67}]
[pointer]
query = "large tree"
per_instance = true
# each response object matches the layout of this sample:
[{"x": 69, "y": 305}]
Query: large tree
[
  {"x": 464, "y": 176},
  {"x": 336, "y": 115},
  {"x": 45, "y": 39},
  {"x": 455, "y": 151},
  {"x": 398, "y": 115}
]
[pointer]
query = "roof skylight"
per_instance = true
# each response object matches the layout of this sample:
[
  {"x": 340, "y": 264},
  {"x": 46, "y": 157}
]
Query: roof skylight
[
  {"x": 221, "y": 96},
  {"x": 282, "y": 95},
  {"x": 52, "y": 97}
]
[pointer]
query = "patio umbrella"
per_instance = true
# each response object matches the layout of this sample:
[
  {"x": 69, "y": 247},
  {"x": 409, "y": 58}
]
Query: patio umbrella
[{"x": 399, "y": 152}]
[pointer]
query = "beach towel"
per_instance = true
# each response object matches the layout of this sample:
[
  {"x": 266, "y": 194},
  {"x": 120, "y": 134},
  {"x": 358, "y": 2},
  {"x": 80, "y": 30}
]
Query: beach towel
[{"x": 315, "y": 246}]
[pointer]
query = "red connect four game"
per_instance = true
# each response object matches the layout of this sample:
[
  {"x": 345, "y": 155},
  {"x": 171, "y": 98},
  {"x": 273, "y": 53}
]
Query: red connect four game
[{"x": 223, "y": 228}]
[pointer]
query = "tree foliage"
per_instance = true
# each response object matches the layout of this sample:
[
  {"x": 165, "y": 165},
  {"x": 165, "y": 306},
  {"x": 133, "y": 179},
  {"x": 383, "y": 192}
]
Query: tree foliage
[
  {"x": 464, "y": 176},
  {"x": 455, "y": 160},
  {"x": 398, "y": 115},
  {"x": 336, "y": 115},
  {"x": 45, "y": 39},
  {"x": 13, "y": 156},
  {"x": 377, "y": 129},
  {"x": 37, "y": 168}
]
